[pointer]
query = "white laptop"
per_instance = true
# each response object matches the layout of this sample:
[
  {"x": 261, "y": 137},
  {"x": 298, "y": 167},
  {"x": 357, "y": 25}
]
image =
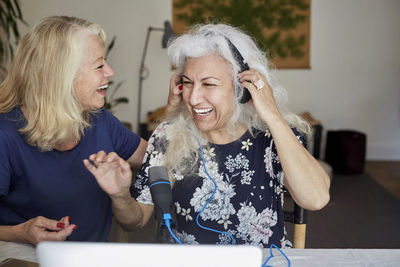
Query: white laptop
[{"x": 87, "y": 254}]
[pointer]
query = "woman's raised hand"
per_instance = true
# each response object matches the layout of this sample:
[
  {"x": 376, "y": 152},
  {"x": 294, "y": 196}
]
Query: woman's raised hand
[
  {"x": 262, "y": 95},
  {"x": 112, "y": 173},
  {"x": 175, "y": 93}
]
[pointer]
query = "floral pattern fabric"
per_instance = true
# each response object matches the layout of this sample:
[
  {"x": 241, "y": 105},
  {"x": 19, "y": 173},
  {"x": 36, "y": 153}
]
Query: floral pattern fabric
[{"x": 248, "y": 184}]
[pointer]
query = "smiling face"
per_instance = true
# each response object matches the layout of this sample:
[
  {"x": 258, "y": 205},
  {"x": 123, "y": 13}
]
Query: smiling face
[
  {"x": 208, "y": 94},
  {"x": 92, "y": 78}
]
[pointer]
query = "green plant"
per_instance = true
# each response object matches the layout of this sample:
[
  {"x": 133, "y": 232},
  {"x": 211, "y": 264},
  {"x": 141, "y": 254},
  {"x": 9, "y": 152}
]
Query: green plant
[
  {"x": 110, "y": 101},
  {"x": 10, "y": 14},
  {"x": 269, "y": 21}
]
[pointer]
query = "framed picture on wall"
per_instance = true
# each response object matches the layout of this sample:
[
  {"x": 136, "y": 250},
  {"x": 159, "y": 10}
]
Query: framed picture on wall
[{"x": 280, "y": 27}]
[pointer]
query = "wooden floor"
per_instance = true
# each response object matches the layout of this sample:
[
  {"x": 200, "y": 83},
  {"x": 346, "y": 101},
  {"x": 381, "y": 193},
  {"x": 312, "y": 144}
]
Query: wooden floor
[{"x": 386, "y": 173}]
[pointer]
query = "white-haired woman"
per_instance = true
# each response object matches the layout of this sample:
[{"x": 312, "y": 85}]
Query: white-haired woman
[
  {"x": 51, "y": 118},
  {"x": 228, "y": 157}
]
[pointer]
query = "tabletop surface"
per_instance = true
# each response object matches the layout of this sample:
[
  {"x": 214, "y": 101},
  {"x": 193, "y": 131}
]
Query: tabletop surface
[
  {"x": 17, "y": 251},
  {"x": 297, "y": 257},
  {"x": 336, "y": 257}
]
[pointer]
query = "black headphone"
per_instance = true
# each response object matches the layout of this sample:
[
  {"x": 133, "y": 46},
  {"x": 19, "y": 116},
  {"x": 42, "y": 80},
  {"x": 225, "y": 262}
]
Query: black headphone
[{"x": 243, "y": 66}]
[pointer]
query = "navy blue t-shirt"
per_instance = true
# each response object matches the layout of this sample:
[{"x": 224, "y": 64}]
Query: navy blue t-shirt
[{"x": 55, "y": 184}]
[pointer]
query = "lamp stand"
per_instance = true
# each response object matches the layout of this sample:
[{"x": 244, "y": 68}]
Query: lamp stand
[{"x": 142, "y": 77}]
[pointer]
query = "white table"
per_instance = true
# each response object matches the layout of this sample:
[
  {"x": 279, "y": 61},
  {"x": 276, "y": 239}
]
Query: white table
[
  {"x": 297, "y": 257},
  {"x": 337, "y": 257}
]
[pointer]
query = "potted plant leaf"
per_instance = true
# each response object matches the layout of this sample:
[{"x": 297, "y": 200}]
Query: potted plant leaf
[
  {"x": 10, "y": 15},
  {"x": 111, "y": 101}
]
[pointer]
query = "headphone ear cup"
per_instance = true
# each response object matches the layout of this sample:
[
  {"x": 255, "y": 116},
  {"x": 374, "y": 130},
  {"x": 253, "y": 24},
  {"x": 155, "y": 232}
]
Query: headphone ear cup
[
  {"x": 246, "y": 96},
  {"x": 243, "y": 67}
]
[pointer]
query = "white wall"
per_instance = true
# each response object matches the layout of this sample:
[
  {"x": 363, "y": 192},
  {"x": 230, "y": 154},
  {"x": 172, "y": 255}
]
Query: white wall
[
  {"x": 353, "y": 83},
  {"x": 128, "y": 20}
]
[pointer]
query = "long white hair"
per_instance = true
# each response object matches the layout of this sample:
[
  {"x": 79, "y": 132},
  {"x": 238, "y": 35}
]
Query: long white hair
[{"x": 183, "y": 150}]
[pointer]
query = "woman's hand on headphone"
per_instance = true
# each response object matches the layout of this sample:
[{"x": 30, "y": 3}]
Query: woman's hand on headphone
[
  {"x": 262, "y": 95},
  {"x": 175, "y": 93}
]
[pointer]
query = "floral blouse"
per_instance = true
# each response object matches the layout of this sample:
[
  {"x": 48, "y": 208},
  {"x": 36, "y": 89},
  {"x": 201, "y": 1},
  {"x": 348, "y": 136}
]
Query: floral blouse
[{"x": 247, "y": 203}]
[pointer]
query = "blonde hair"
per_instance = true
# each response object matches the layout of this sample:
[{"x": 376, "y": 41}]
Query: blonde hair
[
  {"x": 41, "y": 79},
  {"x": 183, "y": 150}
]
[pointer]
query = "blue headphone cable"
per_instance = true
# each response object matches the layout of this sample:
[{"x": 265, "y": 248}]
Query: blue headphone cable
[{"x": 215, "y": 190}]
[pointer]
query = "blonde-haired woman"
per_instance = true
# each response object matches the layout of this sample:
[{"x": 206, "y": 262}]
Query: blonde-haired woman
[
  {"x": 51, "y": 118},
  {"x": 229, "y": 150}
]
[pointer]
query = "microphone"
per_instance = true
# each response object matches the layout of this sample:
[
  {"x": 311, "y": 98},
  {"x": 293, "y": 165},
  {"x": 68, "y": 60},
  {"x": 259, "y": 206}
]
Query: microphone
[{"x": 161, "y": 193}]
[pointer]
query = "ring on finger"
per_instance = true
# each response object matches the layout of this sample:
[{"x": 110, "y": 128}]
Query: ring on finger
[{"x": 259, "y": 84}]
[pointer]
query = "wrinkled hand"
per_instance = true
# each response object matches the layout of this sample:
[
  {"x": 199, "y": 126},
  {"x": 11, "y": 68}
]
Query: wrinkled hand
[
  {"x": 41, "y": 229},
  {"x": 112, "y": 173},
  {"x": 262, "y": 99},
  {"x": 175, "y": 93}
]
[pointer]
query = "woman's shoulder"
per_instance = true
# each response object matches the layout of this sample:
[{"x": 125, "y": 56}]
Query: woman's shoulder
[
  {"x": 13, "y": 114},
  {"x": 257, "y": 134},
  {"x": 12, "y": 120},
  {"x": 101, "y": 114},
  {"x": 103, "y": 117},
  {"x": 161, "y": 129},
  {"x": 266, "y": 134}
]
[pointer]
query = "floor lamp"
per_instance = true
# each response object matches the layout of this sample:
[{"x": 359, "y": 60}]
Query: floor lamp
[{"x": 168, "y": 34}]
